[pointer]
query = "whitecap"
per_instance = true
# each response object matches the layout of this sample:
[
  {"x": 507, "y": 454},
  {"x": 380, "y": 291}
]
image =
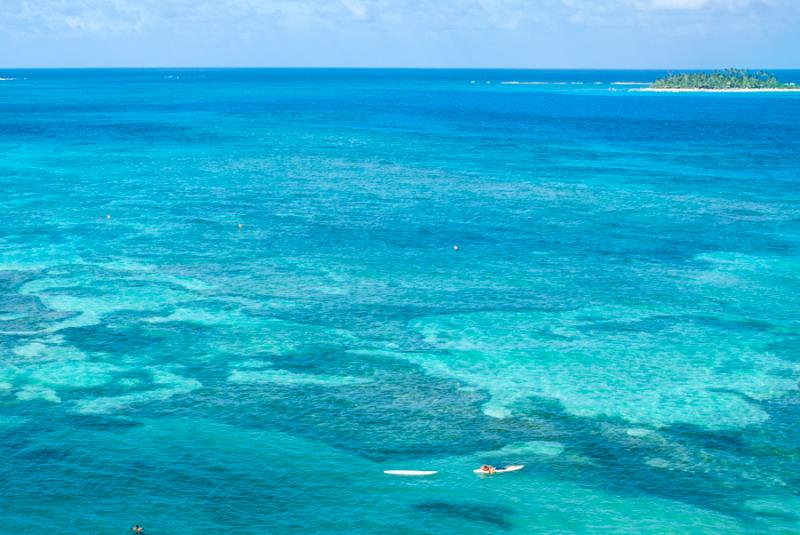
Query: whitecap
[{"x": 515, "y": 82}]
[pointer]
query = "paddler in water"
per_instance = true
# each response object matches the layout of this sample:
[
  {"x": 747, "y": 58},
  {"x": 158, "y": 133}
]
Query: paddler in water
[
  {"x": 137, "y": 529},
  {"x": 488, "y": 469}
]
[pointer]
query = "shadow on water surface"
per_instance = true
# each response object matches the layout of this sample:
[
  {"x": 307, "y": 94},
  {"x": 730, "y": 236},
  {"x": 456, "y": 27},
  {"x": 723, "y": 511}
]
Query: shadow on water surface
[
  {"x": 472, "y": 512},
  {"x": 379, "y": 421},
  {"x": 389, "y": 418}
]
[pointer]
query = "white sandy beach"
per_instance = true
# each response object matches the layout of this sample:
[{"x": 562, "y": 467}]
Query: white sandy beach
[{"x": 732, "y": 90}]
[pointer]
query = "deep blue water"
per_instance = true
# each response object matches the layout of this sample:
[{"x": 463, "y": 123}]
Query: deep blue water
[{"x": 229, "y": 299}]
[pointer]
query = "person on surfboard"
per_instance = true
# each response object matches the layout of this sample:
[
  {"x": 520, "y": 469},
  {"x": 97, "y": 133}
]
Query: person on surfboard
[{"x": 488, "y": 469}]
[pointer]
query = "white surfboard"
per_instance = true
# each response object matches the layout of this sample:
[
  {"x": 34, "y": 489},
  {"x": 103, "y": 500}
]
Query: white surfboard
[
  {"x": 410, "y": 472},
  {"x": 511, "y": 468}
]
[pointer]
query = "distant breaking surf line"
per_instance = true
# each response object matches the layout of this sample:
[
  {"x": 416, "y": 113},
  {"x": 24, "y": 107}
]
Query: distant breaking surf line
[{"x": 514, "y": 82}]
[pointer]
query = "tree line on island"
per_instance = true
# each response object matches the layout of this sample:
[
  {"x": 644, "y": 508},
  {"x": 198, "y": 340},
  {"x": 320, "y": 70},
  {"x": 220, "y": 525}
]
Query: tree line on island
[{"x": 725, "y": 79}]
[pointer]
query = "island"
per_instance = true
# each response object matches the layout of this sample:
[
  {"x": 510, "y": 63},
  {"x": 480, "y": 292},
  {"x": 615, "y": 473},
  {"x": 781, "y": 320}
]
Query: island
[{"x": 728, "y": 80}]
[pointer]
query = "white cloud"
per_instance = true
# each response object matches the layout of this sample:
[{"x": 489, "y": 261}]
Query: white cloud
[
  {"x": 129, "y": 16},
  {"x": 691, "y": 5},
  {"x": 357, "y": 9},
  {"x": 675, "y": 4}
]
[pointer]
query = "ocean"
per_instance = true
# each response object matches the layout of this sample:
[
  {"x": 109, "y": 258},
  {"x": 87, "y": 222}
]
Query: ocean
[{"x": 231, "y": 298}]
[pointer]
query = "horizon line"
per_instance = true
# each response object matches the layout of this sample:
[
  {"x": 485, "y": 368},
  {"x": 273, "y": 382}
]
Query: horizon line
[{"x": 338, "y": 67}]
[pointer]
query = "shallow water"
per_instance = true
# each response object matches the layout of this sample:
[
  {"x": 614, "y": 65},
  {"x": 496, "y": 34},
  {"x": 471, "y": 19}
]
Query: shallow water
[{"x": 229, "y": 299}]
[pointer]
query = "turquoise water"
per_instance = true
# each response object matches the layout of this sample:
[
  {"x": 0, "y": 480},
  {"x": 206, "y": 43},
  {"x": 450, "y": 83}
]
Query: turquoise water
[{"x": 621, "y": 314}]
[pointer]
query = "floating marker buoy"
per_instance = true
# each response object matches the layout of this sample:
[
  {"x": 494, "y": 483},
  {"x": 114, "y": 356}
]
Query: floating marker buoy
[
  {"x": 455, "y": 247},
  {"x": 240, "y": 226},
  {"x": 108, "y": 216}
]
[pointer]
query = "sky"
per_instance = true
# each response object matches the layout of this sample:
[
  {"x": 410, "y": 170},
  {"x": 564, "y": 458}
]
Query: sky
[{"x": 401, "y": 33}]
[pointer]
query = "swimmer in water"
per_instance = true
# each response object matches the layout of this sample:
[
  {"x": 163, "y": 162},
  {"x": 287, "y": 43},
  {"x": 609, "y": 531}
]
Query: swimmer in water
[{"x": 137, "y": 529}]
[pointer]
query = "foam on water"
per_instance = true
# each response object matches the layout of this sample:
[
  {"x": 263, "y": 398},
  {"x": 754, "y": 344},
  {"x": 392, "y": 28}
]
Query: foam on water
[{"x": 515, "y": 82}]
